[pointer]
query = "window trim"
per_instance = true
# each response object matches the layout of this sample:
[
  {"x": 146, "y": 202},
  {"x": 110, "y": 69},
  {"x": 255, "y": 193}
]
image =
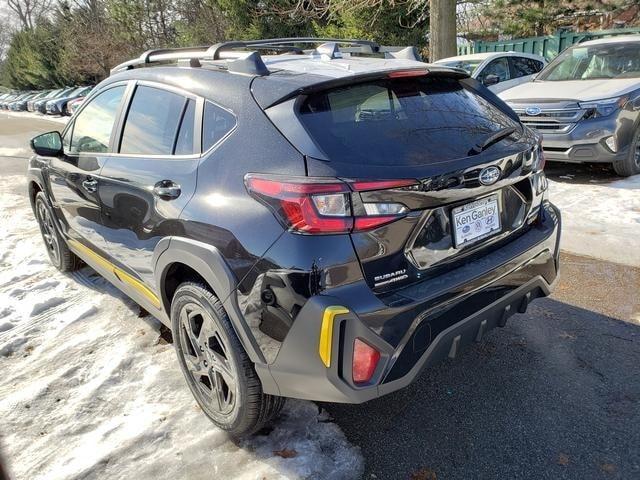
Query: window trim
[{"x": 123, "y": 110}]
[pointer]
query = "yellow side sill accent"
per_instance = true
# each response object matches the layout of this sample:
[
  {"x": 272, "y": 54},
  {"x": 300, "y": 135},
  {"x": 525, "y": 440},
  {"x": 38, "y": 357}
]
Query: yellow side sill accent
[
  {"x": 123, "y": 276},
  {"x": 326, "y": 332}
]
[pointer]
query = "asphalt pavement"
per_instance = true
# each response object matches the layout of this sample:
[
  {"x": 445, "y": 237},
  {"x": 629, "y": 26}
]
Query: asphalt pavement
[{"x": 553, "y": 395}]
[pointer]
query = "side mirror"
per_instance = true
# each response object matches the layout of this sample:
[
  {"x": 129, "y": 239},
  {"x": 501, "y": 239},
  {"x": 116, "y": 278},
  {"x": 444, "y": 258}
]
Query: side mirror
[
  {"x": 47, "y": 144},
  {"x": 491, "y": 80}
]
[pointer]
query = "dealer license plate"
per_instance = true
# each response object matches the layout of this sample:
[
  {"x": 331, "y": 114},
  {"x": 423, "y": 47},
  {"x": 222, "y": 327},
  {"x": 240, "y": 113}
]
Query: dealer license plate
[{"x": 476, "y": 220}]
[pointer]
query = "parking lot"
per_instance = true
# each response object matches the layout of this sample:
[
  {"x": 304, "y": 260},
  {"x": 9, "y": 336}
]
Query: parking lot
[{"x": 555, "y": 394}]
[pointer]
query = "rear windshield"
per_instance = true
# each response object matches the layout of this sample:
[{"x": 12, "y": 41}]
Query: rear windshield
[{"x": 401, "y": 121}]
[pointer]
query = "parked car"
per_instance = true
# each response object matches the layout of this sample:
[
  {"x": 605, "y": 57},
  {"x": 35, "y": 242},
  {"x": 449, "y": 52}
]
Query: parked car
[
  {"x": 58, "y": 105},
  {"x": 50, "y": 94},
  {"x": 41, "y": 105},
  {"x": 73, "y": 105},
  {"x": 4, "y": 105},
  {"x": 499, "y": 71},
  {"x": 12, "y": 104},
  {"x": 587, "y": 104},
  {"x": 21, "y": 105},
  {"x": 324, "y": 232}
]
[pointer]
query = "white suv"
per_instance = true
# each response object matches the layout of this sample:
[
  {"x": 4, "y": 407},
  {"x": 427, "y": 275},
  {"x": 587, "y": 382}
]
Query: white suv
[
  {"x": 586, "y": 103},
  {"x": 498, "y": 71}
]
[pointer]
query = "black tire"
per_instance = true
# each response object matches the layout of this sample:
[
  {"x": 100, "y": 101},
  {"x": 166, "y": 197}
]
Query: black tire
[
  {"x": 59, "y": 254},
  {"x": 217, "y": 369},
  {"x": 630, "y": 165}
]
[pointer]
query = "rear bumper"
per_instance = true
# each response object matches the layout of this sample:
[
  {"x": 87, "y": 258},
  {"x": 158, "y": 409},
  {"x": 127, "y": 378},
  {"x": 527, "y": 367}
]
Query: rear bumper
[{"x": 481, "y": 295}]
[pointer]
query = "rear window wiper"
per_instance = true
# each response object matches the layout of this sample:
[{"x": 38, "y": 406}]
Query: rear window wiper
[{"x": 490, "y": 140}]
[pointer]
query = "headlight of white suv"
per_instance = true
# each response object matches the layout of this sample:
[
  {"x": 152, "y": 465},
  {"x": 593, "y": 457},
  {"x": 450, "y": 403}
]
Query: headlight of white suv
[{"x": 603, "y": 108}]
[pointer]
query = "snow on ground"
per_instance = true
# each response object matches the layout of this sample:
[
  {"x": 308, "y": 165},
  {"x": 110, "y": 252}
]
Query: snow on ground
[
  {"x": 89, "y": 391},
  {"x": 600, "y": 220},
  {"x": 52, "y": 118}
]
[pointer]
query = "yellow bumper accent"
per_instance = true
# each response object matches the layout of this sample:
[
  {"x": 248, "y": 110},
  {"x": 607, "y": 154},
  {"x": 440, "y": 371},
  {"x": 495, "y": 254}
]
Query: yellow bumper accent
[
  {"x": 326, "y": 332},
  {"x": 123, "y": 276}
]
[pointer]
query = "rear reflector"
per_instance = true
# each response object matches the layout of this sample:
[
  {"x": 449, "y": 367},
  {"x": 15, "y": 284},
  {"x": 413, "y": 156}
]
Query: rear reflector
[{"x": 365, "y": 361}]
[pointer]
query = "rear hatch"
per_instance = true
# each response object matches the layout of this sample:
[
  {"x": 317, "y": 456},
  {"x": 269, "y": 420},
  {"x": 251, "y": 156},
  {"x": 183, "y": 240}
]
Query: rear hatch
[{"x": 440, "y": 160}]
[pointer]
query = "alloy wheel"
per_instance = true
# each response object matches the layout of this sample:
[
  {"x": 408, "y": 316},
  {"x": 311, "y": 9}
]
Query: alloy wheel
[
  {"x": 205, "y": 354},
  {"x": 48, "y": 232}
]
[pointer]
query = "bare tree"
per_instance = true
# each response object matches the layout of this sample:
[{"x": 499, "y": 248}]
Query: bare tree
[{"x": 29, "y": 11}]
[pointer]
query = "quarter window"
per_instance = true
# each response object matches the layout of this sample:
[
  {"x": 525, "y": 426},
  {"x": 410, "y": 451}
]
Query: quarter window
[
  {"x": 93, "y": 127},
  {"x": 217, "y": 123},
  {"x": 152, "y": 122}
]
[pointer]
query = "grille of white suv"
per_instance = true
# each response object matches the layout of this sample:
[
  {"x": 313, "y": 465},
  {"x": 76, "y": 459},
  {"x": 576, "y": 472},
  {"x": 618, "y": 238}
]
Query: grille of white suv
[{"x": 554, "y": 118}]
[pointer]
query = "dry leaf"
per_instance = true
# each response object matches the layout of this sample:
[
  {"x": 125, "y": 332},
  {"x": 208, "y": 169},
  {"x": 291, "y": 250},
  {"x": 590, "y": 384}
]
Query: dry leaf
[
  {"x": 424, "y": 474},
  {"x": 286, "y": 453},
  {"x": 563, "y": 459},
  {"x": 608, "y": 468}
]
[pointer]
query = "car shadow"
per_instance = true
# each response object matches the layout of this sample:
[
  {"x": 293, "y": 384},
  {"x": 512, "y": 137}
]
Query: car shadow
[
  {"x": 555, "y": 394},
  {"x": 581, "y": 173}
]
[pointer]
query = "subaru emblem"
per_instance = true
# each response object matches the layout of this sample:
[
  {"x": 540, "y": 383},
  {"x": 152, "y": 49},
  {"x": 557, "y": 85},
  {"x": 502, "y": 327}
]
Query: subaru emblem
[
  {"x": 532, "y": 111},
  {"x": 489, "y": 175}
]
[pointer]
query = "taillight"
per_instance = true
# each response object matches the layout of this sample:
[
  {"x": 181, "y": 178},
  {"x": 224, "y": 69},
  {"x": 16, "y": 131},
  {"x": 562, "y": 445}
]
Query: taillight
[
  {"x": 320, "y": 205},
  {"x": 365, "y": 361}
]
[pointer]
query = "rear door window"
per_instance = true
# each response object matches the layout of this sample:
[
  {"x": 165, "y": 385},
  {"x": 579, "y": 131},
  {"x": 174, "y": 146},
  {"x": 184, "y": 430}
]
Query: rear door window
[
  {"x": 152, "y": 122},
  {"x": 184, "y": 141},
  {"x": 522, "y": 66},
  {"x": 411, "y": 121}
]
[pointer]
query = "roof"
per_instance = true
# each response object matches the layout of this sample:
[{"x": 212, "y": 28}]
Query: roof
[
  {"x": 487, "y": 55},
  {"x": 336, "y": 67},
  {"x": 616, "y": 39}
]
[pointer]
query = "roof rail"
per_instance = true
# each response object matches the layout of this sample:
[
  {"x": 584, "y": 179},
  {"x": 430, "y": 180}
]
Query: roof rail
[
  {"x": 249, "y": 62},
  {"x": 217, "y": 49}
]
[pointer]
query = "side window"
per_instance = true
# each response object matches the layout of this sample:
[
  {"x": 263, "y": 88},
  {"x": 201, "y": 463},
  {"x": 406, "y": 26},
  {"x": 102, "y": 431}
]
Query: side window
[
  {"x": 524, "y": 66},
  {"x": 152, "y": 122},
  {"x": 539, "y": 65},
  {"x": 498, "y": 67},
  {"x": 184, "y": 142},
  {"x": 92, "y": 129},
  {"x": 217, "y": 123}
]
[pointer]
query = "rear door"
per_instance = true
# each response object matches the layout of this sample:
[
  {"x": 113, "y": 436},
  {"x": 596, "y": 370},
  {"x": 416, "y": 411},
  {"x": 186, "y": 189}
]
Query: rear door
[
  {"x": 74, "y": 178},
  {"x": 147, "y": 183}
]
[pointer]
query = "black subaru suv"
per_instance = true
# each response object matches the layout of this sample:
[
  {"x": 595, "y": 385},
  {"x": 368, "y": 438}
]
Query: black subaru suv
[{"x": 318, "y": 223}]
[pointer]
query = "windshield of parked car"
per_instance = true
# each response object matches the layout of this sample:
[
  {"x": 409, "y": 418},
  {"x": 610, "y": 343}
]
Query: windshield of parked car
[
  {"x": 410, "y": 121},
  {"x": 468, "y": 65},
  {"x": 610, "y": 60}
]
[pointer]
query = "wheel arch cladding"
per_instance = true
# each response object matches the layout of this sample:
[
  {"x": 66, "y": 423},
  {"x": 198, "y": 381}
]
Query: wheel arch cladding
[{"x": 184, "y": 256}]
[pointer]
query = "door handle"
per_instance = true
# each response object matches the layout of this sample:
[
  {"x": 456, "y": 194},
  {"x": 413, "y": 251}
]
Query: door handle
[
  {"x": 167, "y": 190},
  {"x": 90, "y": 185}
]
